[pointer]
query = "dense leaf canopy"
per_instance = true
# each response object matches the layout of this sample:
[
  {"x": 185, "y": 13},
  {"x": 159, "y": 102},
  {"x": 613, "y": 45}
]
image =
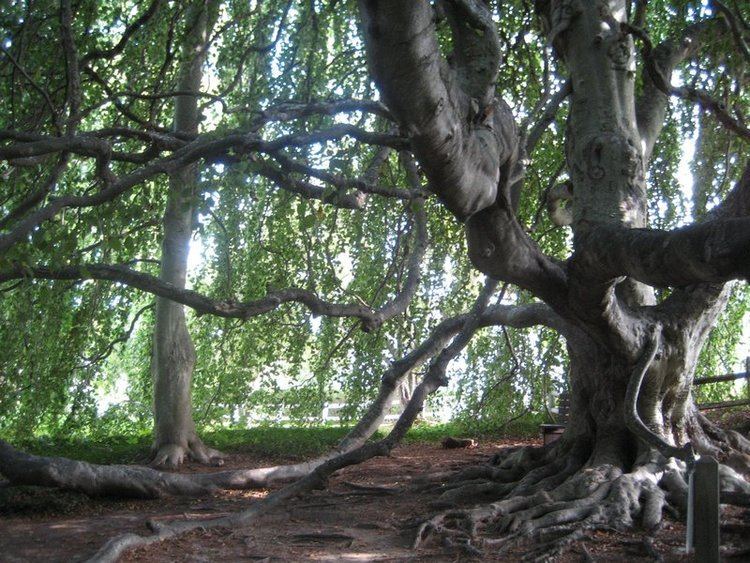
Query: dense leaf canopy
[{"x": 299, "y": 204}]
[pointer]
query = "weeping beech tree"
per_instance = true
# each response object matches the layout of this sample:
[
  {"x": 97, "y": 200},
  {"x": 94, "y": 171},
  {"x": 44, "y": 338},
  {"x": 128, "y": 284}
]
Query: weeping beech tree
[
  {"x": 633, "y": 422},
  {"x": 634, "y": 303},
  {"x": 173, "y": 352}
]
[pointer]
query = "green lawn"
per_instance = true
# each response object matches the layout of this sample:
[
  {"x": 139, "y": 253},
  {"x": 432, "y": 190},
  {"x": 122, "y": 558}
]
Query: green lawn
[{"x": 271, "y": 441}]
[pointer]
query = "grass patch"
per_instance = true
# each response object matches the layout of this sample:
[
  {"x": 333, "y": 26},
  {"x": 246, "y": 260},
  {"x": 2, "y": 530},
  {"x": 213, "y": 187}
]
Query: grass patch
[
  {"x": 110, "y": 449},
  {"x": 273, "y": 441},
  {"x": 264, "y": 441},
  {"x": 526, "y": 427}
]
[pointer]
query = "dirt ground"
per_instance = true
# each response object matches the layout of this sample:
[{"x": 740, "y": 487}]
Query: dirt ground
[{"x": 369, "y": 513}]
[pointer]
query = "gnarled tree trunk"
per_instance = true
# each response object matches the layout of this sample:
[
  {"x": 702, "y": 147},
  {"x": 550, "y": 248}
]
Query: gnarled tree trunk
[
  {"x": 625, "y": 451},
  {"x": 175, "y": 438}
]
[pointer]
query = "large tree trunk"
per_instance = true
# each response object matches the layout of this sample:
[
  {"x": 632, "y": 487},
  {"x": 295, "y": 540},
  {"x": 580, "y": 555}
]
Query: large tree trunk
[
  {"x": 173, "y": 358},
  {"x": 609, "y": 140},
  {"x": 625, "y": 452}
]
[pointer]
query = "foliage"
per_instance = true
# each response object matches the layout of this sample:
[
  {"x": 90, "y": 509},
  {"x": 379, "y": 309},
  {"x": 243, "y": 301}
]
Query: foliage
[
  {"x": 68, "y": 345},
  {"x": 274, "y": 442}
]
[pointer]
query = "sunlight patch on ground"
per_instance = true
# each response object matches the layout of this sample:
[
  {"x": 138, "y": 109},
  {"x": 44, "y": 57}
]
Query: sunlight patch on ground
[{"x": 350, "y": 556}]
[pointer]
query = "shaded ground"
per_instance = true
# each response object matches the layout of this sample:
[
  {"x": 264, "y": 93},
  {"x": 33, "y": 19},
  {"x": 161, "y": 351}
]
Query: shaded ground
[{"x": 369, "y": 513}]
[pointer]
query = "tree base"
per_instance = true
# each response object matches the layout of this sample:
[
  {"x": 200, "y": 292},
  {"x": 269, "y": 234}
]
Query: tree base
[
  {"x": 558, "y": 493},
  {"x": 171, "y": 455}
]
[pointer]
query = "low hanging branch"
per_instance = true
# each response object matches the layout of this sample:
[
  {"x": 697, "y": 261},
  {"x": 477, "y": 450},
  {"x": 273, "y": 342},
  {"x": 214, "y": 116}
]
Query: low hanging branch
[
  {"x": 686, "y": 92},
  {"x": 433, "y": 379},
  {"x": 206, "y": 148},
  {"x": 143, "y": 482},
  {"x": 95, "y": 480},
  {"x": 288, "y": 111},
  {"x": 307, "y": 190},
  {"x": 360, "y": 184},
  {"x": 371, "y": 318}
]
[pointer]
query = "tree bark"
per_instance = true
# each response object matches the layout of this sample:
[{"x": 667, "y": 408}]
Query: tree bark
[
  {"x": 173, "y": 360},
  {"x": 618, "y": 462}
]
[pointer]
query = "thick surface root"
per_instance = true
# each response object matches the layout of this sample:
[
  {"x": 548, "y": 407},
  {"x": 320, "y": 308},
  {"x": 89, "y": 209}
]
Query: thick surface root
[
  {"x": 173, "y": 455},
  {"x": 559, "y": 499},
  {"x": 134, "y": 481},
  {"x": 96, "y": 480}
]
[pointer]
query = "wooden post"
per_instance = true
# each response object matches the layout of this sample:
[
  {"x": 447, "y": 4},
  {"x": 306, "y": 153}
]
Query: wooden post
[
  {"x": 703, "y": 527},
  {"x": 690, "y": 536}
]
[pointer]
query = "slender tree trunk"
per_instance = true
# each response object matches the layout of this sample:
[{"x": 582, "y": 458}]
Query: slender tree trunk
[{"x": 173, "y": 358}]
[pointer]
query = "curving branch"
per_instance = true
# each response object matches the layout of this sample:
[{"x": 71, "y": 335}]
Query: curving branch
[
  {"x": 338, "y": 198},
  {"x": 693, "y": 304},
  {"x": 476, "y": 47},
  {"x": 121, "y": 339},
  {"x": 207, "y": 147},
  {"x": 701, "y": 97},
  {"x": 37, "y": 196},
  {"x": 45, "y": 95},
  {"x": 288, "y": 111},
  {"x": 440, "y": 364},
  {"x": 130, "y": 30},
  {"x": 29, "y": 145},
  {"x": 124, "y": 110},
  {"x": 362, "y": 184},
  {"x": 469, "y": 148},
  {"x": 547, "y": 117},
  {"x": 143, "y": 482},
  {"x": 419, "y": 246},
  {"x": 357, "y": 451},
  {"x": 95, "y": 480},
  {"x": 460, "y": 141},
  {"x": 213, "y": 98},
  {"x": 714, "y": 252},
  {"x": 632, "y": 418},
  {"x": 661, "y": 61},
  {"x": 199, "y": 302},
  {"x": 371, "y": 318},
  {"x": 734, "y": 26},
  {"x": 316, "y": 478}
]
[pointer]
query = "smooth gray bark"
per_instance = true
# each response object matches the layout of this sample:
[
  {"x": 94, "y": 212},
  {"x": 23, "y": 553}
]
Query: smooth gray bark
[
  {"x": 143, "y": 482},
  {"x": 601, "y": 290},
  {"x": 173, "y": 359}
]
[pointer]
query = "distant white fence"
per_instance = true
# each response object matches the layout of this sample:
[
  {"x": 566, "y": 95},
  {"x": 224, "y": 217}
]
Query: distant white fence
[{"x": 332, "y": 412}]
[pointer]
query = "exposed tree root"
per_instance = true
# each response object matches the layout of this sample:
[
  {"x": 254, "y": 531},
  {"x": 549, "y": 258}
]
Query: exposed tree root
[
  {"x": 317, "y": 476},
  {"x": 173, "y": 455},
  {"x": 560, "y": 499},
  {"x": 556, "y": 494},
  {"x": 96, "y": 480},
  {"x": 139, "y": 482},
  {"x": 144, "y": 482}
]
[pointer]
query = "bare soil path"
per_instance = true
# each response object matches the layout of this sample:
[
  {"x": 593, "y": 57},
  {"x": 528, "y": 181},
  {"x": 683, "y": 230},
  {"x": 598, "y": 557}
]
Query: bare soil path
[{"x": 368, "y": 513}]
